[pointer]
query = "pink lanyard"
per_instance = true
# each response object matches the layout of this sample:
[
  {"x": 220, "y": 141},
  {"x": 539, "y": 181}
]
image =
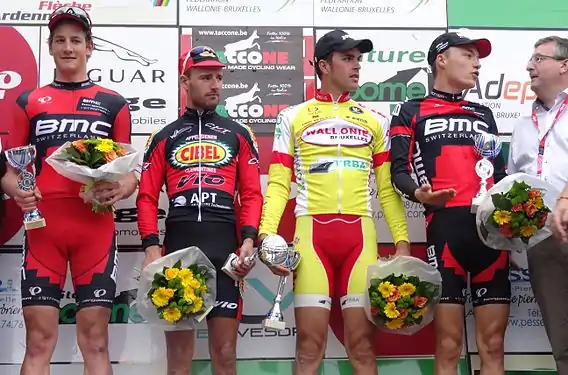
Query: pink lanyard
[{"x": 542, "y": 142}]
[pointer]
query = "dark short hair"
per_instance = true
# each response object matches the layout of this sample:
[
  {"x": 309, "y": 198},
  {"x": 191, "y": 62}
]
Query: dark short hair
[{"x": 327, "y": 58}]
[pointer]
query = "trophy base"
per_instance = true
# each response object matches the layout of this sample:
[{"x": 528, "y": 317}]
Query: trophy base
[
  {"x": 228, "y": 267},
  {"x": 273, "y": 324},
  {"x": 475, "y": 205},
  {"x": 34, "y": 224}
]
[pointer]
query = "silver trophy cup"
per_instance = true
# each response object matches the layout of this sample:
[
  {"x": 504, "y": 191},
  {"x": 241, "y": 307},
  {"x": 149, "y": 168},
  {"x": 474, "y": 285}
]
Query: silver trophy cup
[
  {"x": 274, "y": 251},
  {"x": 487, "y": 146},
  {"x": 21, "y": 158}
]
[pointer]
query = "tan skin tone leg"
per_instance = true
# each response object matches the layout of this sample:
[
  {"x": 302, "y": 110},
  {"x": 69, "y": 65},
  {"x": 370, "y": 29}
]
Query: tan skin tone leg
[
  {"x": 222, "y": 348},
  {"x": 179, "y": 349},
  {"x": 490, "y": 325},
  {"x": 41, "y": 338},
  {"x": 449, "y": 338},
  {"x": 92, "y": 337},
  {"x": 359, "y": 336},
  {"x": 312, "y": 326},
  {"x": 223, "y": 345}
]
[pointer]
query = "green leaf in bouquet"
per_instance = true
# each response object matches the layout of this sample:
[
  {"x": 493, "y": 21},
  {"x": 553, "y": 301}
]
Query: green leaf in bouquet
[
  {"x": 501, "y": 202},
  {"x": 150, "y": 292},
  {"x": 374, "y": 283},
  {"x": 79, "y": 161},
  {"x": 97, "y": 160},
  {"x": 413, "y": 280},
  {"x": 159, "y": 279},
  {"x": 72, "y": 152},
  {"x": 177, "y": 264}
]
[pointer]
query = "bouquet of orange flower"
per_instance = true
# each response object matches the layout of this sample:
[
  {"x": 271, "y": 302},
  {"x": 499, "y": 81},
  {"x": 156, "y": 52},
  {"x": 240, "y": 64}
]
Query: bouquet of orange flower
[
  {"x": 401, "y": 294},
  {"x": 90, "y": 161},
  {"x": 178, "y": 290},
  {"x": 515, "y": 213}
]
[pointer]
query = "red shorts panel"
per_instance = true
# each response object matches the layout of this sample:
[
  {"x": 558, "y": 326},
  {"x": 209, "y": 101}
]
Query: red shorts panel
[{"x": 76, "y": 236}]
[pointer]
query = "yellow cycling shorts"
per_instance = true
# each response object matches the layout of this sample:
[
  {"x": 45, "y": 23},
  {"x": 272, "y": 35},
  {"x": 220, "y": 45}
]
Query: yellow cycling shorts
[{"x": 335, "y": 253}]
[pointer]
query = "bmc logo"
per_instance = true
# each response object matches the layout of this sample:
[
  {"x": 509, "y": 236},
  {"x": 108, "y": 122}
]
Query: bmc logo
[
  {"x": 439, "y": 125},
  {"x": 50, "y": 127},
  {"x": 8, "y": 80}
]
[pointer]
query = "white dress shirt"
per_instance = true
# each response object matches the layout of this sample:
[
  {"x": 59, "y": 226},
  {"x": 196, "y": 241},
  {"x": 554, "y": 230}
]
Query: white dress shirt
[{"x": 523, "y": 150}]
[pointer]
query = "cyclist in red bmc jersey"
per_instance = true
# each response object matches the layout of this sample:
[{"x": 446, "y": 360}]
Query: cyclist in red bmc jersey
[
  {"x": 71, "y": 107},
  {"x": 433, "y": 137},
  {"x": 208, "y": 164}
]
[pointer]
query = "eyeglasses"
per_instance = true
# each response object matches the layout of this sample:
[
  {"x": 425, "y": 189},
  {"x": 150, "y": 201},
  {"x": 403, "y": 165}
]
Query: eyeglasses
[
  {"x": 197, "y": 52},
  {"x": 201, "y": 51},
  {"x": 537, "y": 59},
  {"x": 76, "y": 12}
]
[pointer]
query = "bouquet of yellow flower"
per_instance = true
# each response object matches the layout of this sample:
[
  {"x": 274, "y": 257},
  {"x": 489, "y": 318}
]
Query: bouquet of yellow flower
[
  {"x": 401, "y": 294},
  {"x": 514, "y": 214},
  {"x": 89, "y": 161},
  {"x": 177, "y": 290}
]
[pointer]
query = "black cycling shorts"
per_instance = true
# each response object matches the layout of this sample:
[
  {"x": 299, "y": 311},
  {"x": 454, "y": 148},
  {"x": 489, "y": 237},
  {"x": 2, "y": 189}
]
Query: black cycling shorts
[
  {"x": 454, "y": 247},
  {"x": 217, "y": 241}
]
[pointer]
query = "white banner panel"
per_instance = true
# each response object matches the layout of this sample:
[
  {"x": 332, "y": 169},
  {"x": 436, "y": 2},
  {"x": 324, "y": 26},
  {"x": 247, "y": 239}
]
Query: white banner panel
[
  {"x": 138, "y": 63},
  {"x": 102, "y": 12},
  {"x": 504, "y": 83},
  {"x": 246, "y": 12},
  {"x": 380, "y": 13}
]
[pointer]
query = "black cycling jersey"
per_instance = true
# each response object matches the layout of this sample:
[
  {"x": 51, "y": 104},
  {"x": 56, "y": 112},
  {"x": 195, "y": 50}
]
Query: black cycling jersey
[{"x": 433, "y": 137}]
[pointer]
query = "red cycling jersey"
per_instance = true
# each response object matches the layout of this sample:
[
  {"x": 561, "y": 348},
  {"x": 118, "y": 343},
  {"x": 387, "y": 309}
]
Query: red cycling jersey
[
  {"x": 204, "y": 160},
  {"x": 48, "y": 117},
  {"x": 51, "y": 115}
]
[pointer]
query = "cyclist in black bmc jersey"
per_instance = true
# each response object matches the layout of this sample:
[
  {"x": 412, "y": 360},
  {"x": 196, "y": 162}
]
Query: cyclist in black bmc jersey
[{"x": 434, "y": 137}]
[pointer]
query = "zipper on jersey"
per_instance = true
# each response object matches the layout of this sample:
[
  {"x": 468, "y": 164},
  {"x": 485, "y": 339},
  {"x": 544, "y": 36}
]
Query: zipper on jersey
[
  {"x": 200, "y": 156},
  {"x": 339, "y": 192}
]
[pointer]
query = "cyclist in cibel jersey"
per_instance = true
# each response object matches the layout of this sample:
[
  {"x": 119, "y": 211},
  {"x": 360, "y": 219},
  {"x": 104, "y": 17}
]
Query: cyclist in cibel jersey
[
  {"x": 333, "y": 144},
  {"x": 47, "y": 117}
]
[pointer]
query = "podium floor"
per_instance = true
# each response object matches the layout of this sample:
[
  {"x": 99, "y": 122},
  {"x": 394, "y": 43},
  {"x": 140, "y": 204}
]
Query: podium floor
[{"x": 414, "y": 366}]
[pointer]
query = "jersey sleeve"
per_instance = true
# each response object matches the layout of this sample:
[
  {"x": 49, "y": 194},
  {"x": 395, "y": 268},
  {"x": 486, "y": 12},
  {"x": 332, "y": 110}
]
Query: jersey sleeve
[
  {"x": 152, "y": 179},
  {"x": 401, "y": 137},
  {"x": 499, "y": 161},
  {"x": 279, "y": 175},
  {"x": 20, "y": 127},
  {"x": 250, "y": 193},
  {"x": 391, "y": 202},
  {"x": 122, "y": 128}
]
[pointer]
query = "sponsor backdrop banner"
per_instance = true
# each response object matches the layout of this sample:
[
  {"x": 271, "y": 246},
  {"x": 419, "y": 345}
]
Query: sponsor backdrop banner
[{"x": 267, "y": 46}]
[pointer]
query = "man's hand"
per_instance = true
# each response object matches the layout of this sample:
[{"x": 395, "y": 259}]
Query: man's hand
[
  {"x": 402, "y": 248},
  {"x": 27, "y": 200},
  {"x": 560, "y": 220},
  {"x": 433, "y": 198},
  {"x": 105, "y": 193},
  {"x": 246, "y": 251},
  {"x": 152, "y": 253},
  {"x": 277, "y": 270}
]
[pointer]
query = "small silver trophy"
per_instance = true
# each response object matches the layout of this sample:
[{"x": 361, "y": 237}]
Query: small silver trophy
[
  {"x": 20, "y": 158},
  {"x": 487, "y": 146},
  {"x": 274, "y": 251},
  {"x": 231, "y": 264}
]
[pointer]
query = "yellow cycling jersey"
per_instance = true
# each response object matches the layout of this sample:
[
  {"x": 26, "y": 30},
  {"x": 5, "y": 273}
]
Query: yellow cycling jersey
[{"x": 331, "y": 147}]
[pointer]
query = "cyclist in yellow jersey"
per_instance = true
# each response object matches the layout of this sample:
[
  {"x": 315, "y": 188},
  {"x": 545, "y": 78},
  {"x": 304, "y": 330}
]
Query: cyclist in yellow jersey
[{"x": 332, "y": 145}]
